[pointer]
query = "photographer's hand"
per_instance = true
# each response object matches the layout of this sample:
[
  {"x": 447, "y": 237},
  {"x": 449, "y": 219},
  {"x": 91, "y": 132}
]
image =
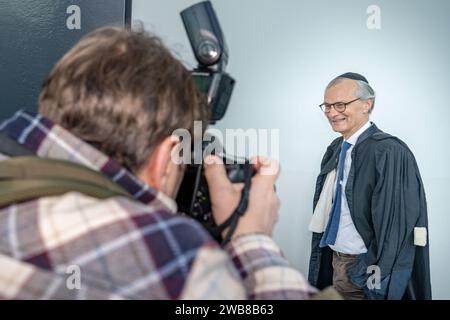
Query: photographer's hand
[
  {"x": 262, "y": 211},
  {"x": 265, "y": 273}
]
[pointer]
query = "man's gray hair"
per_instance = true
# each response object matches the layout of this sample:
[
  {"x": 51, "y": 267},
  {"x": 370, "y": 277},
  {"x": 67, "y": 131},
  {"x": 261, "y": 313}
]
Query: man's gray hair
[{"x": 364, "y": 90}]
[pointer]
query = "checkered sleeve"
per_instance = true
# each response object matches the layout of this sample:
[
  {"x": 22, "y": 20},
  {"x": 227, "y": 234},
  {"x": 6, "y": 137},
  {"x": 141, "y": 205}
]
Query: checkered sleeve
[
  {"x": 213, "y": 277},
  {"x": 265, "y": 273}
]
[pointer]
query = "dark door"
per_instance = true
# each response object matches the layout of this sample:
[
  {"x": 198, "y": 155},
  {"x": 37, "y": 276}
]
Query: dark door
[{"x": 35, "y": 34}]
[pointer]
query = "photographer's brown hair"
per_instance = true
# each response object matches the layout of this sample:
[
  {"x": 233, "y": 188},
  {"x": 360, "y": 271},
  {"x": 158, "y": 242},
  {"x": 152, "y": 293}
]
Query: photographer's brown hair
[{"x": 123, "y": 92}]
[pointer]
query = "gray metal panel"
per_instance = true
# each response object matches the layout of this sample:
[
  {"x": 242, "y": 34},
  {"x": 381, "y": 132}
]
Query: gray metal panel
[{"x": 34, "y": 35}]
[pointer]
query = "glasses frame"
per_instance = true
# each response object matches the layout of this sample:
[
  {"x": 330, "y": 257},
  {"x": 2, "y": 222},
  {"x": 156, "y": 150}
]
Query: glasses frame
[{"x": 324, "y": 105}]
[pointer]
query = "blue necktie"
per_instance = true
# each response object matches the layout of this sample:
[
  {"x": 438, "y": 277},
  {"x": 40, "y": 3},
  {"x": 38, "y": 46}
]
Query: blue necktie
[{"x": 330, "y": 234}]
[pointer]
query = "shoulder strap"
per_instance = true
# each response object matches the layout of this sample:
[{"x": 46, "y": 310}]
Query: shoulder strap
[
  {"x": 26, "y": 178},
  {"x": 10, "y": 147}
]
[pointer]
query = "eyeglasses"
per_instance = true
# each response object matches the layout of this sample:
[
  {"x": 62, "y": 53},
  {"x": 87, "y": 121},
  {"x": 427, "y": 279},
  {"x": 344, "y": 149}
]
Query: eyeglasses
[{"x": 338, "y": 106}]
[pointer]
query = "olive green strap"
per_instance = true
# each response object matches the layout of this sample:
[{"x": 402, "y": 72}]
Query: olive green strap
[{"x": 26, "y": 178}]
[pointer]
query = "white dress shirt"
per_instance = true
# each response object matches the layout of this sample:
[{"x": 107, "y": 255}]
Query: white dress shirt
[{"x": 348, "y": 239}]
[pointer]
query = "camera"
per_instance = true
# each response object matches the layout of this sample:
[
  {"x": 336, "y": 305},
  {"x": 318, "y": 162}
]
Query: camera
[{"x": 211, "y": 52}]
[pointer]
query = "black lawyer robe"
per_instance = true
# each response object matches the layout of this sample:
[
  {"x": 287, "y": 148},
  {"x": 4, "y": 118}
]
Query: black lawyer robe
[{"x": 387, "y": 201}]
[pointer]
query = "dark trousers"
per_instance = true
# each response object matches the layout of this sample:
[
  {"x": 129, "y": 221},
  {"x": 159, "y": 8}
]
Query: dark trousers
[{"x": 341, "y": 282}]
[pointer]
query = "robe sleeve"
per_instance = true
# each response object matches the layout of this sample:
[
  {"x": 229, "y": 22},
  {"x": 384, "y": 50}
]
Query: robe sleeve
[{"x": 398, "y": 207}]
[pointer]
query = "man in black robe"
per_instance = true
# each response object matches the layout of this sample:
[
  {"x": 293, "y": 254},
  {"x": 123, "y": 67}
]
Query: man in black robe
[{"x": 370, "y": 224}]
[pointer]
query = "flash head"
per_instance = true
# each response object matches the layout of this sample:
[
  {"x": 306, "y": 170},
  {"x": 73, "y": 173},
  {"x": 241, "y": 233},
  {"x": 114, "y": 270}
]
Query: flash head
[
  {"x": 205, "y": 34},
  {"x": 210, "y": 50}
]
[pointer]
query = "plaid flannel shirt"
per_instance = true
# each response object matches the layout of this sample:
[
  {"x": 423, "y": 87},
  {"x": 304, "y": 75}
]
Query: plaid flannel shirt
[{"x": 77, "y": 247}]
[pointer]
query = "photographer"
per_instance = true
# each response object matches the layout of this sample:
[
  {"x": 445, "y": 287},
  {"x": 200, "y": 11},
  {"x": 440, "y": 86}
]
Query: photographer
[{"x": 110, "y": 106}]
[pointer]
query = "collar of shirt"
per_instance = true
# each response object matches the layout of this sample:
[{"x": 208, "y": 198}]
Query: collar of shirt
[
  {"x": 354, "y": 138},
  {"x": 49, "y": 140}
]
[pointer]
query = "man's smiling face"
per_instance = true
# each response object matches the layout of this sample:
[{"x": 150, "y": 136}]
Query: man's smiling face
[{"x": 356, "y": 113}]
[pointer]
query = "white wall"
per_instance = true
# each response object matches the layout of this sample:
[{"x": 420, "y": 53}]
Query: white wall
[{"x": 284, "y": 52}]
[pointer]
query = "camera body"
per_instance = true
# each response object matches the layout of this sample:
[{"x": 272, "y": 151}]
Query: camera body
[
  {"x": 210, "y": 50},
  {"x": 194, "y": 200}
]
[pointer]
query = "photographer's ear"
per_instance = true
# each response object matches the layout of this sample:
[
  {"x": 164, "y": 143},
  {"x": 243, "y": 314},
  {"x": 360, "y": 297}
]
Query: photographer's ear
[{"x": 160, "y": 172}]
